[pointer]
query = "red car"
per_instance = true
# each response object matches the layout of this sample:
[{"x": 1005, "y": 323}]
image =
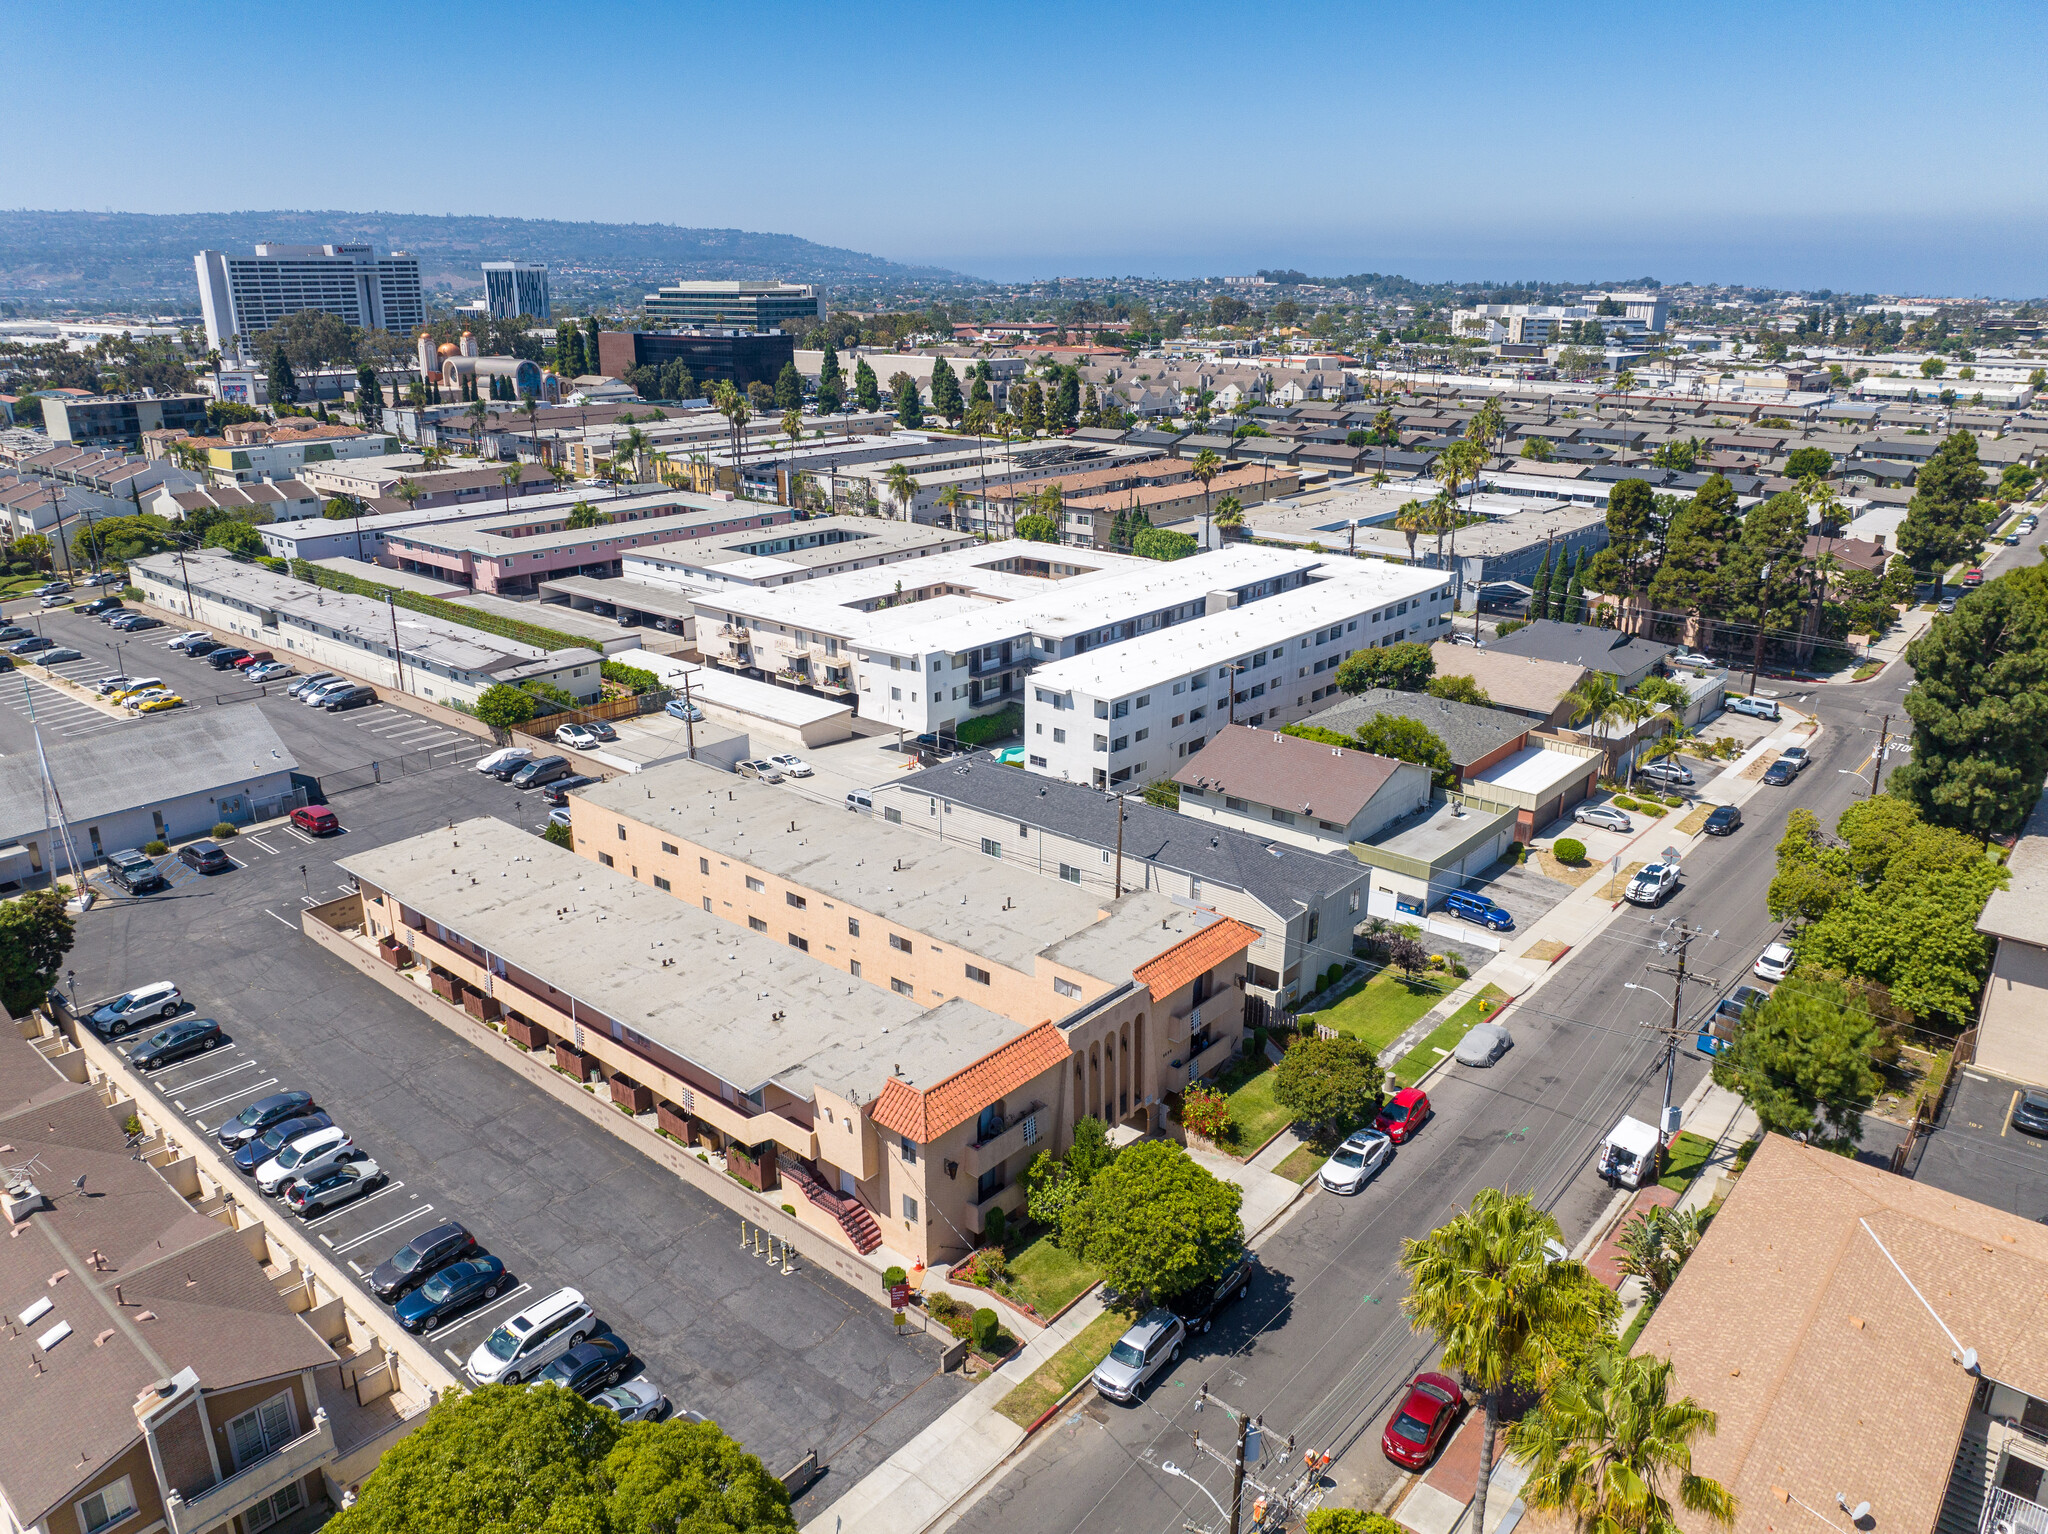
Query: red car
[
  {"x": 1422, "y": 1421},
  {"x": 259, "y": 658},
  {"x": 1403, "y": 1114},
  {"x": 316, "y": 818},
  {"x": 1973, "y": 577}
]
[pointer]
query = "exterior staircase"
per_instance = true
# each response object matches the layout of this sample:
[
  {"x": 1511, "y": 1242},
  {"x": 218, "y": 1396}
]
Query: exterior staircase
[
  {"x": 853, "y": 1217},
  {"x": 1969, "y": 1483}
]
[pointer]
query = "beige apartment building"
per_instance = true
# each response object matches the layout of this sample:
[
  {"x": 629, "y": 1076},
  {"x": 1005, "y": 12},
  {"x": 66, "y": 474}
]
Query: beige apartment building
[{"x": 740, "y": 973}]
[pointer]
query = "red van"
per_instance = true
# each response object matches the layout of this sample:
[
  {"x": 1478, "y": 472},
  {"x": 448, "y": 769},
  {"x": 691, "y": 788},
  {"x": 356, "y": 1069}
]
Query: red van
[{"x": 316, "y": 818}]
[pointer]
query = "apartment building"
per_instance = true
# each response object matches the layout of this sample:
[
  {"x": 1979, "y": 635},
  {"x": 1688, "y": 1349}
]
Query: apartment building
[
  {"x": 896, "y": 1098},
  {"x": 1137, "y": 710},
  {"x": 248, "y": 452},
  {"x": 269, "y": 501},
  {"x": 162, "y": 1381},
  {"x": 122, "y": 418},
  {"x": 1302, "y": 904},
  {"x": 513, "y": 288},
  {"x": 243, "y": 296},
  {"x": 789, "y": 552}
]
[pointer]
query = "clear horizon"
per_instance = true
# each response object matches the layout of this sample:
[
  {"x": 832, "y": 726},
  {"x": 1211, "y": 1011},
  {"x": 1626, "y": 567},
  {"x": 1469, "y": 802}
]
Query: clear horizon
[{"x": 1735, "y": 144}]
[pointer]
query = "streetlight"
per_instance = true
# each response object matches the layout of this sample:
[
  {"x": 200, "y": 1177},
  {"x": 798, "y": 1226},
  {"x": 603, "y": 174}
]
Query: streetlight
[{"x": 1172, "y": 1469}]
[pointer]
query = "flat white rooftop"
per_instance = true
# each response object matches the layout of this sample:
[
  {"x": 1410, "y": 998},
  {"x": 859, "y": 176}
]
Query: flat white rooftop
[
  {"x": 742, "y": 695},
  {"x": 1532, "y": 770}
]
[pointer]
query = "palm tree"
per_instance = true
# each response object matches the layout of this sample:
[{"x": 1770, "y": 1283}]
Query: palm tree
[
  {"x": 977, "y": 421},
  {"x": 1229, "y": 515},
  {"x": 1595, "y": 703},
  {"x": 509, "y": 476},
  {"x": 1205, "y": 468},
  {"x": 478, "y": 413},
  {"x": 950, "y": 498},
  {"x": 1482, "y": 1286},
  {"x": 408, "y": 491},
  {"x": 530, "y": 408},
  {"x": 1655, "y": 1244},
  {"x": 1388, "y": 431},
  {"x": 733, "y": 404},
  {"x": 1412, "y": 520},
  {"x": 560, "y": 473},
  {"x": 631, "y": 447},
  {"x": 901, "y": 486},
  {"x": 1607, "y": 1442}
]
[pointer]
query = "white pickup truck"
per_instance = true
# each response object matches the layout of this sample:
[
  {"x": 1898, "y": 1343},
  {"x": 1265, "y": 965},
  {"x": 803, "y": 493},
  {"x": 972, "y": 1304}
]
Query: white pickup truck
[{"x": 1655, "y": 882}]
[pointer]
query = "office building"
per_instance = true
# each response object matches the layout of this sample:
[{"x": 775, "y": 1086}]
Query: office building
[
  {"x": 122, "y": 418},
  {"x": 736, "y": 357},
  {"x": 243, "y": 296},
  {"x": 790, "y": 306},
  {"x": 513, "y": 288}
]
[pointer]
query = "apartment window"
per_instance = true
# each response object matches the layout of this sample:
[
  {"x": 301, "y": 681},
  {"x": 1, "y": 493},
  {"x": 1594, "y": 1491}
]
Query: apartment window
[
  {"x": 1354, "y": 901},
  {"x": 1283, "y": 817},
  {"x": 660, "y": 883},
  {"x": 893, "y": 816},
  {"x": 900, "y": 943},
  {"x": 704, "y": 865},
  {"x": 1144, "y": 699},
  {"x": 1179, "y": 720},
  {"x": 1065, "y": 987},
  {"x": 895, "y": 695},
  {"x": 669, "y": 848},
  {"x": 1038, "y": 761},
  {"x": 1141, "y": 734},
  {"x": 990, "y": 847},
  {"x": 800, "y": 944},
  {"x": 1101, "y": 710},
  {"x": 853, "y": 969},
  {"x": 1232, "y": 802},
  {"x": 1179, "y": 688},
  {"x": 262, "y": 1431},
  {"x": 1121, "y": 711},
  {"x": 755, "y": 884},
  {"x": 757, "y": 924},
  {"x": 107, "y": 1506},
  {"x": 910, "y": 1208},
  {"x": 606, "y": 859},
  {"x": 1070, "y": 873},
  {"x": 902, "y": 987},
  {"x": 1102, "y": 742},
  {"x": 1059, "y": 737},
  {"x": 853, "y": 926},
  {"x": 1195, "y": 714},
  {"x": 978, "y": 976},
  {"x": 795, "y": 901},
  {"x": 1197, "y": 683},
  {"x": 707, "y": 902},
  {"x": 1023, "y": 830}
]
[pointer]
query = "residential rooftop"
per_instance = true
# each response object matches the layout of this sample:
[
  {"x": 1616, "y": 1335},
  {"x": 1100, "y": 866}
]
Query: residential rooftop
[
  {"x": 1579, "y": 644},
  {"x": 1307, "y": 777},
  {"x": 2020, "y": 910},
  {"x": 1469, "y": 732}
]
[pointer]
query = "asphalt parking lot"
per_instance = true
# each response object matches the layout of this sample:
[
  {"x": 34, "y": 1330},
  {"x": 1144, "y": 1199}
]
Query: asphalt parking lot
[
  {"x": 786, "y": 1363},
  {"x": 1977, "y": 1153}
]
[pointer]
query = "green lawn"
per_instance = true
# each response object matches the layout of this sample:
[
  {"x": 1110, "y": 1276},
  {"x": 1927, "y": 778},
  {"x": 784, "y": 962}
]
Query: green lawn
[
  {"x": 1064, "y": 1370},
  {"x": 1255, "y": 1114},
  {"x": 1380, "y": 1010},
  {"x": 1688, "y": 1154},
  {"x": 1046, "y": 1278},
  {"x": 1301, "y": 1162},
  {"x": 1444, "y": 1037}
]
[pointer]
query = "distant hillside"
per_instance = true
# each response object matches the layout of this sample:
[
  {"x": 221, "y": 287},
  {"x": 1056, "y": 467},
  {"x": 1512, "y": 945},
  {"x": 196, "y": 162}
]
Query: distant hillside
[{"x": 136, "y": 257}]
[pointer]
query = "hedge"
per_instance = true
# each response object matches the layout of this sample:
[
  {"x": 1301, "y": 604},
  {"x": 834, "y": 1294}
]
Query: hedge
[
  {"x": 992, "y": 727},
  {"x": 468, "y": 617},
  {"x": 630, "y": 676}
]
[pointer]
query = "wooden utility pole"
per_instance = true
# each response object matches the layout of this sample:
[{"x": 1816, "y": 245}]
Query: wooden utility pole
[{"x": 1119, "y": 846}]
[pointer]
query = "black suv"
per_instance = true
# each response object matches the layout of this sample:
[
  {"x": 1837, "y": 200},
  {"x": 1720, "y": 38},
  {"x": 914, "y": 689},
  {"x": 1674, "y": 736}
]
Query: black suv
[
  {"x": 1199, "y": 1306},
  {"x": 100, "y": 605},
  {"x": 220, "y": 660},
  {"x": 138, "y": 878},
  {"x": 253, "y": 1153},
  {"x": 420, "y": 1258},
  {"x": 1723, "y": 821}
]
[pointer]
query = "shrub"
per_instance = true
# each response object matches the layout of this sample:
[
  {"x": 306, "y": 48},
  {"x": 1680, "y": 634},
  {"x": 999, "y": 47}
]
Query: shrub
[
  {"x": 1624, "y": 802},
  {"x": 502, "y": 707},
  {"x": 1569, "y": 850},
  {"x": 558, "y": 836},
  {"x": 989, "y": 728},
  {"x": 995, "y": 1227},
  {"x": 635, "y": 677},
  {"x": 131, "y": 1125},
  {"x": 986, "y": 1326},
  {"x": 274, "y": 565},
  {"x": 1332, "y": 1083},
  {"x": 156, "y": 849},
  {"x": 1676, "y": 801},
  {"x": 789, "y": 1209},
  {"x": 132, "y": 593},
  {"x": 1206, "y": 1112},
  {"x": 223, "y": 830},
  {"x": 894, "y": 1276}
]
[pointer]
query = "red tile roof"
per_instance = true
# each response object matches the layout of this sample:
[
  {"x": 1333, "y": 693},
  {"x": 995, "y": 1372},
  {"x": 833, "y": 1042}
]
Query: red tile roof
[
  {"x": 1195, "y": 955},
  {"x": 924, "y": 1116}
]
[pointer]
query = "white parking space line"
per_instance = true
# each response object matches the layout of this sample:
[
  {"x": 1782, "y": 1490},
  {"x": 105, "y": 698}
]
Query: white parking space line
[
  {"x": 389, "y": 1225},
  {"x": 236, "y": 861},
  {"x": 275, "y": 917},
  {"x": 298, "y": 836},
  {"x": 383, "y": 1192},
  {"x": 257, "y": 841},
  {"x": 233, "y": 1096},
  {"x": 477, "y": 1315},
  {"x": 204, "y": 1081}
]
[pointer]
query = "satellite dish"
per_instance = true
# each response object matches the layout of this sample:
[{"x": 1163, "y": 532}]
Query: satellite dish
[
  {"x": 1968, "y": 1360},
  {"x": 1860, "y": 1512}
]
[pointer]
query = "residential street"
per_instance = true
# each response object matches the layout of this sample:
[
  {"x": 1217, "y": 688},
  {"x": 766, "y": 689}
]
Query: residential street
[{"x": 1321, "y": 1347}]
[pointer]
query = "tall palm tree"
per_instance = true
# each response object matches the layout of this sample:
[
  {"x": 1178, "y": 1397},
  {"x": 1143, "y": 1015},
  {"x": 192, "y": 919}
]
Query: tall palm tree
[
  {"x": 560, "y": 473},
  {"x": 408, "y": 491},
  {"x": 977, "y": 419},
  {"x": 1229, "y": 515},
  {"x": 631, "y": 448},
  {"x": 1412, "y": 520},
  {"x": 508, "y": 477},
  {"x": 732, "y": 403},
  {"x": 478, "y": 413},
  {"x": 1608, "y": 1447},
  {"x": 1595, "y": 703},
  {"x": 1482, "y": 1286},
  {"x": 1388, "y": 431},
  {"x": 1205, "y": 468},
  {"x": 530, "y": 408},
  {"x": 901, "y": 486},
  {"x": 950, "y": 498}
]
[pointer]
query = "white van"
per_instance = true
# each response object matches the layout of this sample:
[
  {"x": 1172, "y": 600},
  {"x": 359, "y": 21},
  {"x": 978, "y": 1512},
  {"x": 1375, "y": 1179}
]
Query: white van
[
  {"x": 531, "y": 1340},
  {"x": 860, "y": 799}
]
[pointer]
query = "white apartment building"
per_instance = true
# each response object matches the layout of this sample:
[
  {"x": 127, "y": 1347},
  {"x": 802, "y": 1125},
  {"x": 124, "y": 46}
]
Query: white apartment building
[
  {"x": 246, "y": 295},
  {"x": 1547, "y": 324},
  {"x": 1139, "y": 709}
]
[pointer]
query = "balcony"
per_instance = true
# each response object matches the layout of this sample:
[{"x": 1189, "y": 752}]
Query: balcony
[
  {"x": 2007, "y": 1512},
  {"x": 251, "y": 1484},
  {"x": 1022, "y": 1130}
]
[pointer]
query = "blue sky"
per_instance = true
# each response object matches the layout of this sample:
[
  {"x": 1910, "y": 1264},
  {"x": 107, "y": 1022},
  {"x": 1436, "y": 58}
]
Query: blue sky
[{"x": 1853, "y": 146}]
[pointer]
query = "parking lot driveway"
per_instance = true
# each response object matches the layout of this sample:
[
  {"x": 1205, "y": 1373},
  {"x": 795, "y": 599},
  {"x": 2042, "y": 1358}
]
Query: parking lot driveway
[
  {"x": 1976, "y": 1152},
  {"x": 1524, "y": 891}
]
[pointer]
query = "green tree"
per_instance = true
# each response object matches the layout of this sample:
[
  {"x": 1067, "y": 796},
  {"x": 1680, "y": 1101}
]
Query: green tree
[
  {"x": 502, "y": 707},
  {"x": 867, "y": 389},
  {"x": 909, "y": 403},
  {"x": 1407, "y": 740},
  {"x": 1701, "y": 531},
  {"x": 1230, "y": 514},
  {"x": 369, "y": 394},
  {"x": 902, "y": 487},
  {"x": 1482, "y": 1285},
  {"x": 583, "y": 515},
  {"x": 831, "y": 382},
  {"x": 1608, "y": 1448},
  {"x": 1942, "y": 523},
  {"x": 789, "y": 388},
  {"x": 1163, "y": 543},
  {"x": 1053, "y": 1182},
  {"x": 558, "y": 835},
  {"x": 1065, "y": 404},
  {"x": 1156, "y": 1223},
  {"x": 1802, "y": 1061},
  {"x": 1574, "y": 601},
  {"x": 593, "y": 360},
  {"x": 284, "y": 383},
  {"x": 1809, "y": 463},
  {"x": 945, "y": 390},
  {"x": 1539, "y": 589},
  {"x": 35, "y": 934},
  {"x": 1329, "y": 1085},
  {"x": 1458, "y": 689},
  {"x": 120, "y": 540},
  {"x": 235, "y": 536},
  {"x": 1628, "y": 564},
  {"x": 509, "y": 1460},
  {"x": 1035, "y": 528},
  {"x": 1596, "y": 703},
  {"x": 1980, "y": 711},
  {"x": 1655, "y": 1244},
  {"x": 1537, "y": 450},
  {"x": 1404, "y": 667},
  {"x": 1349, "y": 1520}
]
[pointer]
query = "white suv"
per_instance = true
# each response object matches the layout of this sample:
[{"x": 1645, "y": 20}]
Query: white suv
[
  {"x": 531, "y": 1340},
  {"x": 307, "y": 1156}
]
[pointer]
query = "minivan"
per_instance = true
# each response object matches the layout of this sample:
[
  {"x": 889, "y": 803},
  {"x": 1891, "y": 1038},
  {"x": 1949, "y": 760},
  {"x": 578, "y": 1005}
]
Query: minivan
[
  {"x": 531, "y": 1340},
  {"x": 348, "y": 697},
  {"x": 541, "y": 770}
]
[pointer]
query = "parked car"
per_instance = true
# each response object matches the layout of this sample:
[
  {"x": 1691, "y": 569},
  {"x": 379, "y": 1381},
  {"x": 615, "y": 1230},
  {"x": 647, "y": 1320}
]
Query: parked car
[
  {"x": 420, "y": 1258},
  {"x": 307, "y": 1158},
  {"x": 1756, "y": 708},
  {"x": 30, "y": 646},
  {"x": 763, "y": 770},
  {"x": 576, "y": 737},
  {"x": 1403, "y": 1113},
  {"x": 791, "y": 766},
  {"x": 61, "y": 656},
  {"x": 353, "y": 697},
  {"x": 539, "y": 771},
  {"x": 1779, "y": 773},
  {"x": 2030, "y": 1113},
  {"x": 557, "y": 792},
  {"x": 1467, "y": 906},
  {"x": 636, "y": 1401},
  {"x": 1483, "y": 1044},
  {"x": 1797, "y": 756},
  {"x": 1357, "y": 1161},
  {"x": 1605, "y": 816},
  {"x": 1199, "y": 1307},
  {"x": 306, "y": 684},
  {"x": 1946, "y": 605},
  {"x": 1973, "y": 578},
  {"x": 334, "y": 1187},
  {"x": 561, "y": 815},
  {"x": 450, "y": 1291},
  {"x": 100, "y": 605},
  {"x": 14, "y": 631},
  {"x": 316, "y": 820},
  {"x": 1774, "y": 963},
  {"x": 129, "y": 857},
  {"x": 51, "y": 588},
  {"x": 1149, "y": 1347},
  {"x": 202, "y": 647},
  {"x": 221, "y": 659},
  {"x": 190, "y": 636},
  {"x": 1422, "y": 1421},
  {"x": 598, "y": 1361},
  {"x": 2012, "y": 540},
  {"x": 138, "y": 625},
  {"x": 1724, "y": 820},
  {"x": 676, "y": 708},
  {"x": 1738, "y": 1001},
  {"x": 251, "y": 1154},
  {"x": 1691, "y": 658},
  {"x": 261, "y": 1114},
  {"x": 206, "y": 858},
  {"x": 105, "y": 578},
  {"x": 860, "y": 799},
  {"x": 504, "y": 756},
  {"x": 269, "y": 671},
  {"x": 1651, "y": 885},
  {"x": 59, "y": 599},
  {"x": 133, "y": 685},
  {"x": 314, "y": 697},
  {"x": 1666, "y": 772},
  {"x": 167, "y": 1046},
  {"x": 528, "y": 1342},
  {"x": 139, "y": 881},
  {"x": 253, "y": 658},
  {"x": 152, "y": 1003},
  {"x": 157, "y": 703}
]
